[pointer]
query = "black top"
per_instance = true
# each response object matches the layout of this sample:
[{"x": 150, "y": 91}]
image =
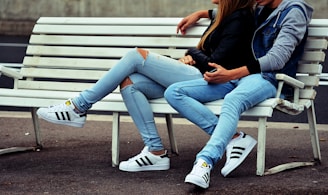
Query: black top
[{"x": 229, "y": 45}]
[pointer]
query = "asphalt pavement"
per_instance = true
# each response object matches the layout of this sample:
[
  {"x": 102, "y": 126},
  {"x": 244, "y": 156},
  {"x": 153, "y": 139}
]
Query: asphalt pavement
[{"x": 78, "y": 160}]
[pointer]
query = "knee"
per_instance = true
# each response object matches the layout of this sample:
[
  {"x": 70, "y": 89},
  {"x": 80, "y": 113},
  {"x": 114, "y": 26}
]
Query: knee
[
  {"x": 171, "y": 93},
  {"x": 143, "y": 53}
]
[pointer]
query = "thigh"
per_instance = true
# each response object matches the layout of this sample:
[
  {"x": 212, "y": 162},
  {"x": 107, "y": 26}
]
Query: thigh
[
  {"x": 147, "y": 86},
  {"x": 166, "y": 71},
  {"x": 252, "y": 90},
  {"x": 201, "y": 90}
]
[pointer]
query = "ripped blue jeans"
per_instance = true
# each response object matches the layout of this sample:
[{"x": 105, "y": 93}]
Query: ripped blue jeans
[{"x": 150, "y": 75}]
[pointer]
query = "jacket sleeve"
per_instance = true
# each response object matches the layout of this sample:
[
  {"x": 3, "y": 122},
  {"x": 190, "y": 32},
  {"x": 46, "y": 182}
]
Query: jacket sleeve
[
  {"x": 293, "y": 29},
  {"x": 212, "y": 13}
]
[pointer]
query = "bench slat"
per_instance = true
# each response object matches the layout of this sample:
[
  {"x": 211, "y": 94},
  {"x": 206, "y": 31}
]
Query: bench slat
[
  {"x": 313, "y": 56},
  {"x": 153, "y": 21},
  {"x": 63, "y": 73},
  {"x": 56, "y": 86},
  {"x": 316, "y": 44},
  {"x": 78, "y": 63},
  {"x": 318, "y": 32},
  {"x": 94, "y": 52},
  {"x": 308, "y": 94},
  {"x": 137, "y": 41},
  {"x": 114, "y": 41},
  {"x": 112, "y": 30},
  {"x": 309, "y": 80},
  {"x": 309, "y": 68}
]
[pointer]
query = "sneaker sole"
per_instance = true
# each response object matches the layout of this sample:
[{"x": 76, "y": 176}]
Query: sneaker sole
[
  {"x": 195, "y": 181},
  {"x": 147, "y": 168},
  {"x": 242, "y": 158},
  {"x": 72, "y": 124}
]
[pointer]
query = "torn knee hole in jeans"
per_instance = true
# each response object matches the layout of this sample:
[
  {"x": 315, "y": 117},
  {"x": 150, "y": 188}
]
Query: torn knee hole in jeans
[
  {"x": 126, "y": 82},
  {"x": 143, "y": 53}
]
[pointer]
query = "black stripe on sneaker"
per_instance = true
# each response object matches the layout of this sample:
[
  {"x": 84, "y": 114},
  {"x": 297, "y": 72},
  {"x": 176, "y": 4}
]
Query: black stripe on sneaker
[
  {"x": 58, "y": 118},
  {"x": 237, "y": 154},
  {"x": 206, "y": 177},
  {"x": 148, "y": 160},
  {"x": 63, "y": 116},
  {"x": 67, "y": 115},
  {"x": 143, "y": 162},
  {"x": 238, "y": 148}
]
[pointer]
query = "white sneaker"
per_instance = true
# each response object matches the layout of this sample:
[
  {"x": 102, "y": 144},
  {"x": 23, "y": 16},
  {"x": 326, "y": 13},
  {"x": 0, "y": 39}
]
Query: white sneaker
[
  {"x": 146, "y": 161},
  {"x": 62, "y": 114},
  {"x": 236, "y": 152},
  {"x": 200, "y": 174}
]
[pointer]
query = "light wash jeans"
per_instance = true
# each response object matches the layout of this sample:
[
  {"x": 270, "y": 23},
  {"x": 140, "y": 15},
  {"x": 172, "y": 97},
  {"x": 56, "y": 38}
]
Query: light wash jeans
[
  {"x": 150, "y": 76},
  {"x": 239, "y": 95}
]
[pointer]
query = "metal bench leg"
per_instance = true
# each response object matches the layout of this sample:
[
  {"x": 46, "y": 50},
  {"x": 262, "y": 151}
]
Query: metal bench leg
[
  {"x": 38, "y": 146},
  {"x": 36, "y": 128},
  {"x": 169, "y": 125},
  {"x": 260, "y": 164},
  {"x": 115, "y": 139},
  {"x": 314, "y": 132},
  {"x": 315, "y": 147}
]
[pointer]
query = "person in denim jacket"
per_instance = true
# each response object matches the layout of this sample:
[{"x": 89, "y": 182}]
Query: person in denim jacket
[{"x": 278, "y": 43}]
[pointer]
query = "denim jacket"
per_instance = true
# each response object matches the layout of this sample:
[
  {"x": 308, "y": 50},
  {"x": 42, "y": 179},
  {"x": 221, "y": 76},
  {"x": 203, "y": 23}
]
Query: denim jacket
[{"x": 278, "y": 43}]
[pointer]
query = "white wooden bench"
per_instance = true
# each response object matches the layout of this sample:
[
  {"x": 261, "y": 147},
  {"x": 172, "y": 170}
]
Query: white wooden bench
[{"x": 67, "y": 55}]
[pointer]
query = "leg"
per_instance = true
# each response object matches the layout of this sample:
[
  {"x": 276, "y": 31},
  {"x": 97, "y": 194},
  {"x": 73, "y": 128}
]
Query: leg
[
  {"x": 249, "y": 91},
  {"x": 137, "y": 61},
  {"x": 188, "y": 98},
  {"x": 136, "y": 90},
  {"x": 161, "y": 69}
]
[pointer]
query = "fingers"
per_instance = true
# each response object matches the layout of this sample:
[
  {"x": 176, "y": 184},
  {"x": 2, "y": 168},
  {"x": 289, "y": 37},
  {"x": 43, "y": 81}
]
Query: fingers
[
  {"x": 182, "y": 26},
  {"x": 214, "y": 65},
  {"x": 187, "y": 60},
  {"x": 187, "y": 22}
]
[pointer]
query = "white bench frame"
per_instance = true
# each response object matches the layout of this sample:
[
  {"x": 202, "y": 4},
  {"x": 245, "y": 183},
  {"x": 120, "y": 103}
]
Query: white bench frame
[{"x": 81, "y": 48}]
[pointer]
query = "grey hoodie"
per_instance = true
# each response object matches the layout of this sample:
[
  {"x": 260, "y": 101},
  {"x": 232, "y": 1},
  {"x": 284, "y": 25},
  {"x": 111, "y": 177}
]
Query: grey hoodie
[{"x": 293, "y": 29}]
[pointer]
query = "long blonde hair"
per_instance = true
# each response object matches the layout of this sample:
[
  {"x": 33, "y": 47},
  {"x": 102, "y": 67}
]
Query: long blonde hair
[{"x": 225, "y": 8}]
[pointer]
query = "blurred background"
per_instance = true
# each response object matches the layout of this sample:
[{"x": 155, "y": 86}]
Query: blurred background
[{"x": 17, "y": 18}]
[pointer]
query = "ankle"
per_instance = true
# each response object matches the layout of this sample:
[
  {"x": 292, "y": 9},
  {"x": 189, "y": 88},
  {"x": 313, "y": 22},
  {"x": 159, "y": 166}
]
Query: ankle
[
  {"x": 75, "y": 109},
  {"x": 236, "y": 135},
  {"x": 158, "y": 153}
]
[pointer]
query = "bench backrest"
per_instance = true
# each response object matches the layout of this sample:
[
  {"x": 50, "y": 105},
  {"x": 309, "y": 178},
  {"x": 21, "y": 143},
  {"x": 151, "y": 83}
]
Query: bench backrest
[
  {"x": 78, "y": 51},
  {"x": 70, "y": 54}
]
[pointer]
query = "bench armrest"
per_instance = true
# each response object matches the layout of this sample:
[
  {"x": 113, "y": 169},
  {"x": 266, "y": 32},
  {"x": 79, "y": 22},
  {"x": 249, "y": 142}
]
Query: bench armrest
[
  {"x": 290, "y": 80},
  {"x": 296, "y": 84},
  {"x": 10, "y": 73}
]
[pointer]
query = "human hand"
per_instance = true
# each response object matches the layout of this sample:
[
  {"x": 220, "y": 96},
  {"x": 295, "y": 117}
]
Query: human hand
[
  {"x": 189, "y": 20},
  {"x": 220, "y": 75},
  {"x": 187, "y": 60}
]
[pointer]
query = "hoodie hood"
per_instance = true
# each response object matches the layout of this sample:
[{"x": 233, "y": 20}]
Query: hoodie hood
[{"x": 307, "y": 9}]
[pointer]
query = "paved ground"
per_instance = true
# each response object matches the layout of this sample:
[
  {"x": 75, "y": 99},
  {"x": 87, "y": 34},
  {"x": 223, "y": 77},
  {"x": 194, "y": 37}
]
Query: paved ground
[{"x": 78, "y": 161}]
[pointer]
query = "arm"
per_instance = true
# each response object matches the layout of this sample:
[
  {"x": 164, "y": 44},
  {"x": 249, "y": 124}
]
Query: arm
[
  {"x": 291, "y": 34},
  {"x": 190, "y": 20}
]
